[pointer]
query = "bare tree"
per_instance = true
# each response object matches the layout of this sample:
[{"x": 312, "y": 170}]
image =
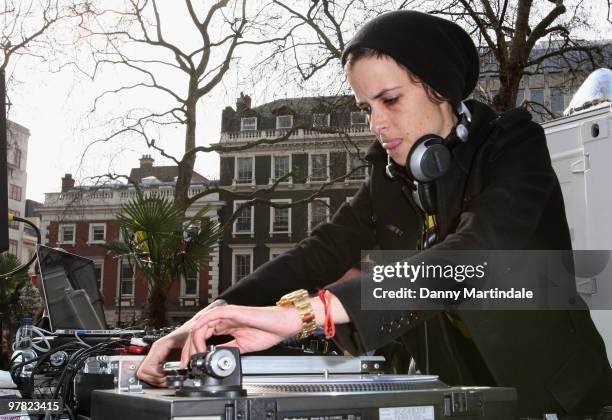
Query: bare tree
[
  {"x": 138, "y": 37},
  {"x": 522, "y": 38},
  {"x": 26, "y": 30},
  {"x": 516, "y": 38}
]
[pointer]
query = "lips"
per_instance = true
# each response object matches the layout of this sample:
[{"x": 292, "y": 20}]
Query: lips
[{"x": 389, "y": 145}]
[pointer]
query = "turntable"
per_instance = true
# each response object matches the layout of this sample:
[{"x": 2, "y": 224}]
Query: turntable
[{"x": 214, "y": 387}]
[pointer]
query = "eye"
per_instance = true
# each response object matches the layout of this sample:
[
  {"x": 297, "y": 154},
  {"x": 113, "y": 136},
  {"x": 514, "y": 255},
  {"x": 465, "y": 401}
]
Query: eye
[{"x": 390, "y": 101}]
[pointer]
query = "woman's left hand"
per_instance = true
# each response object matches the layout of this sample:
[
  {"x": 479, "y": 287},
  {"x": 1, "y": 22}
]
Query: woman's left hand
[{"x": 253, "y": 328}]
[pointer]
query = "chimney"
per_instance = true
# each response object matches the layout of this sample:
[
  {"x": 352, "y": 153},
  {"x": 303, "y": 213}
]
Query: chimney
[
  {"x": 67, "y": 183},
  {"x": 243, "y": 103},
  {"x": 146, "y": 162}
]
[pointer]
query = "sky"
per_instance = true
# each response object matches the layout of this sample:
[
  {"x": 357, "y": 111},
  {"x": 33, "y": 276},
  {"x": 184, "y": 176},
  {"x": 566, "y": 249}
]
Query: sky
[{"x": 54, "y": 107}]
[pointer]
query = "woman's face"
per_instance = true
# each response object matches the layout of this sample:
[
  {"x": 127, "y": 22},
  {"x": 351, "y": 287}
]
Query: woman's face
[{"x": 399, "y": 110}]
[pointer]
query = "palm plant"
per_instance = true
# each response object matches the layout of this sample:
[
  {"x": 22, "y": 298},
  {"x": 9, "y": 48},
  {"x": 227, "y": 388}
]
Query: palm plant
[
  {"x": 163, "y": 244},
  {"x": 9, "y": 293}
]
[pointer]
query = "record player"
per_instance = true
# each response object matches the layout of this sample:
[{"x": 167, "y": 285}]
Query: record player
[{"x": 214, "y": 387}]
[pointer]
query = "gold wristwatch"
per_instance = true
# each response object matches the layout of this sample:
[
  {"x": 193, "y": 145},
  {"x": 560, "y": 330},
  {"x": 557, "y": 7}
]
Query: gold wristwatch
[{"x": 301, "y": 301}]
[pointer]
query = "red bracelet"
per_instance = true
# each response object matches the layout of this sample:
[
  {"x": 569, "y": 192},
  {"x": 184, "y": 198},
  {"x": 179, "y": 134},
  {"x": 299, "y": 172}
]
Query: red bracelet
[{"x": 330, "y": 327}]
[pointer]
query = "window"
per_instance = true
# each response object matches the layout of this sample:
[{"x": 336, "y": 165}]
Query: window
[
  {"x": 318, "y": 212},
  {"x": 243, "y": 264},
  {"x": 281, "y": 166},
  {"x": 248, "y": 123},
  {"x": 98, "y": 273},
  {"x": 355, "y": 162},
  {"x": 67, "y": 234},
  {"x": 284, "y": 121},
  {"x": 17, "y": 158},
  {"x": 537, "y": 96},
  {"x": 127, "y": 281},
  {"x": 13, "y": 247},
  {"x": 359, "y": 118},
  {"x": 520, "y": 97},
  {"x": 14, "y": 192},
  {"x": 280, "y": 219},
  {"x": 14, "y": 225},
  {"x": 244, "y": 170},
  {"x": 97, "y": 233},
  {"x": 556, "y": 101},
  {"x": 320, "y": 120},
  {"x": 189, "y": 284},
  {"x": 318, "y": 167},
  {"x": 278, "y": 249},
  {"x": 244, "y": 221},
  {"x": 28, "y": 231}
]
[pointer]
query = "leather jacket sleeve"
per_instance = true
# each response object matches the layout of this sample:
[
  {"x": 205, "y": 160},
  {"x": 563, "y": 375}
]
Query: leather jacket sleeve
[{"x": 323, "y": 257}]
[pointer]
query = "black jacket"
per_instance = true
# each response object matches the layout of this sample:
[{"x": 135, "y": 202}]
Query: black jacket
[{"x": 500, "y": 193}]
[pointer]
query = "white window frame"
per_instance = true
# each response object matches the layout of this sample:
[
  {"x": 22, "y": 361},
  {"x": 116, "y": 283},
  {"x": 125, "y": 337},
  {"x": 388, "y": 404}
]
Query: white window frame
[
  {"x": 278, "y": 249},
  {"x": 237, "y": 203},
  {"x": 126, "y": 300},
  {"x": 360, "y": 114},
  {"x": 310, "y": 167},
  {"x": 272, "y": 177},
  {"x": 60, "y": 235},
  {"x": 92, "y": 226},
  {"x": 349, "y": 157},
  {"x": 241, "y": 250},
  {"x": 326, "y": 117},
  {"x": 279, "y": 117},
  {"x": 236, "y": 170},
  {"x": 244, "y": 124},
  {"x": 324, "y": 199},
  {"x": 272, "y": 211},
  {"x": 184, "y": 286},
  {"x": 100, "y": 263}
]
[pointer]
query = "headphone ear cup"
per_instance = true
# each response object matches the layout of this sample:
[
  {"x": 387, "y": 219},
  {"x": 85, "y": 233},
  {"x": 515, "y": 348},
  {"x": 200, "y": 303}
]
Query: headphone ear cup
[{"x": 429, "y": 158}]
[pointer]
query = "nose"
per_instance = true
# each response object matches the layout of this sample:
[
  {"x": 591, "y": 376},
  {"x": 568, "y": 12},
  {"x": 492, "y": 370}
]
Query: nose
[{"x": 378, "y": 121}]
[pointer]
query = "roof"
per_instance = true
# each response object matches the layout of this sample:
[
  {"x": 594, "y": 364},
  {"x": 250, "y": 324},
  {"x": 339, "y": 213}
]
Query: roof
[
  {"x": 162, "y": 173},
  {"x": 306, "y": 105}
]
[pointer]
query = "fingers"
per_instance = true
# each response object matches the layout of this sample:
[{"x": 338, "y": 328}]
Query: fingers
[
  {"x": 203, "y": 333},
  {"x": 185, "y": 356},
  {"x": 151, "y": 370}
]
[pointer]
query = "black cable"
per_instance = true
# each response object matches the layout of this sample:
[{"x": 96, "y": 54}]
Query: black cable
[
  {"x": 38, "y": 242},
  {"x": 74, "y": 365}
]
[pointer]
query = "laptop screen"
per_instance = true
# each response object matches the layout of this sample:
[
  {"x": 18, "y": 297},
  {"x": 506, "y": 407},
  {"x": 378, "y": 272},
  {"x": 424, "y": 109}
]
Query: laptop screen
[{"x": 70, "y": 290}]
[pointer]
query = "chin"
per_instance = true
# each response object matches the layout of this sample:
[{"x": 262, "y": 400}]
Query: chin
[{"x": 398, "y": 157}]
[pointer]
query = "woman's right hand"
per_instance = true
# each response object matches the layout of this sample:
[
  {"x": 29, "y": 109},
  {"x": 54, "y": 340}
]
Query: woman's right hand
[{"x": 151, "y": 369}]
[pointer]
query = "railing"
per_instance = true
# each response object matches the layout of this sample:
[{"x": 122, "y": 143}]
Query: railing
[
  {"x": 189, "y": 301},
  {"x": 107, "y": 197},
  {"x": 300, "y": 134}
]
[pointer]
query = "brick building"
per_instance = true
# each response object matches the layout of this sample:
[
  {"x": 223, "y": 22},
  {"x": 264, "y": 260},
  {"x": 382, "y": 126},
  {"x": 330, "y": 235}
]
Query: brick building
[{"x": 80, "y": 218}]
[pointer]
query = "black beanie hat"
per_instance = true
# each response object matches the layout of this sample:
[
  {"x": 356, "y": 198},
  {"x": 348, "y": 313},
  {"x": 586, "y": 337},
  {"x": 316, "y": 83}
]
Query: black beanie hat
[{"x": 436, "y": 50}]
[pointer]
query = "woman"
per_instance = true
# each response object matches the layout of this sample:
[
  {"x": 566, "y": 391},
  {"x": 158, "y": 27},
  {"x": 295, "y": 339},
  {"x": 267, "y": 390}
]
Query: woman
[{"x": 485, "y": 182}]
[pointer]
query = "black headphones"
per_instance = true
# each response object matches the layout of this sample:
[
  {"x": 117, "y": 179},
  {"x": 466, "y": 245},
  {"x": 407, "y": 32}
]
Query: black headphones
[{"x": 429, "y": 159}]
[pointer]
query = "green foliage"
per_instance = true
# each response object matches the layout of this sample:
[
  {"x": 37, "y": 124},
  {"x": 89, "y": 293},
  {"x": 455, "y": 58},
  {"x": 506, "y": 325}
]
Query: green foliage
[
  {"x": 10, "y": 285},
  {"x": 161, "y": 241},
  {"x": 28, "y": 302}
]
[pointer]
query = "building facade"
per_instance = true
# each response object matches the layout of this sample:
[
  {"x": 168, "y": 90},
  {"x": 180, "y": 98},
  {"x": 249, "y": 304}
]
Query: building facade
[
  {"x": 79, "y": 219},
  {"x": 307, "y": 146},
  {"x": 547, "y": 87},
  {"x": 17, "y": 157}
]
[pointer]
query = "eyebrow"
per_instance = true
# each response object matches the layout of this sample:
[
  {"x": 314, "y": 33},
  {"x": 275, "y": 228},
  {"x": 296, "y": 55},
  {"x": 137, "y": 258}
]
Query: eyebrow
[{"x": 379, "y": 94}]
